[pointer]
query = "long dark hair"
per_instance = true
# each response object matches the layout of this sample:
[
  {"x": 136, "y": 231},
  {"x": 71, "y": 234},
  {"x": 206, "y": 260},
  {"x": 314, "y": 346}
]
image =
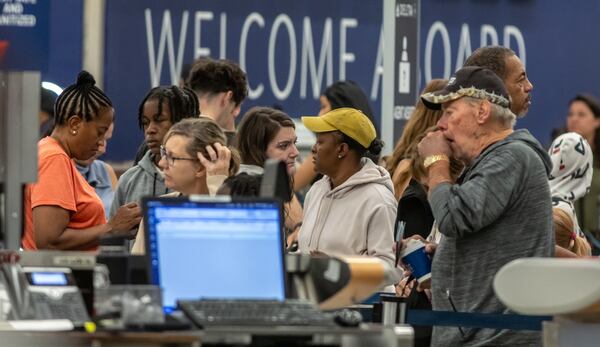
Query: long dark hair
[
  {"x": 258, "y": 128},
  {"x": 593, "y": 104}
]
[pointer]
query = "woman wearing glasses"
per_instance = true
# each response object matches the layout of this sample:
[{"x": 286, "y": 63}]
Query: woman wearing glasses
[
  {"x": 194, "y": 160},
  {"x": 161, "y": 108}
]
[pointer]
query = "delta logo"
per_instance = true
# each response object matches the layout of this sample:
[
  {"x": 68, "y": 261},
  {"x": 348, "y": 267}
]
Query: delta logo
[{"x": 3, "y": 49}]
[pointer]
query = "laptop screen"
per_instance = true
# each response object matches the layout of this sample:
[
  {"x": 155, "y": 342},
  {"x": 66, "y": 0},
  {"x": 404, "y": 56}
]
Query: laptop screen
[{"x": 208, "y": 249}]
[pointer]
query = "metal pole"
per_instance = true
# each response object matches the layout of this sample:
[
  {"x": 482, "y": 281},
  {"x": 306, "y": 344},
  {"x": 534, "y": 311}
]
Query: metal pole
[{"x": 21, "y": 93}]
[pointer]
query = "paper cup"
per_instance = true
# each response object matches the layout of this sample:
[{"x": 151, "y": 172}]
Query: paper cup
[{"x": 419, "y": 262}]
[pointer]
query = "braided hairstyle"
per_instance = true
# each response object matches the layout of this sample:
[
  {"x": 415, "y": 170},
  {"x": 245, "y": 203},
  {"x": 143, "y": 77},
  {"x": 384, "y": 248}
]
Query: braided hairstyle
[
  {"x": 81, "y": 99},
  {"x": 183, "y": 103}
]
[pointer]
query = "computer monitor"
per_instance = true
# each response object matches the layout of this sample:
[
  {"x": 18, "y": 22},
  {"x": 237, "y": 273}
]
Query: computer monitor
[
  {"x": 215, "y": 249},
  {"x": 276, "y": 181}
]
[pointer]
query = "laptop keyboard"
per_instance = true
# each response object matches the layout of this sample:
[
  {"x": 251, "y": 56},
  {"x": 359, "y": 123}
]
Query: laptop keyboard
[{"x": 254, "y": 313}]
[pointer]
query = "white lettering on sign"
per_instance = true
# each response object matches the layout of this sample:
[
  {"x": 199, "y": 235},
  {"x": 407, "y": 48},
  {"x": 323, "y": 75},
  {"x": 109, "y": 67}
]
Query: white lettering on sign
[
  {"x": 488, "y": 36},
  {"x": 12, "y": 15},
  {"x": 223, "y": 36},
  {"x": 437, "y": 27},
  {"x": 200, "y": 51},
  {"x": 488, "y": 31},
  {"x": 316, "y": 69},
  {"x": 378, "y": 70},
  {"x": 282, "y": 94},
  {"x": 257, "y": 18},
  {"x": 155, "y": 59},
  {"x": 403, "y": 112},
  {"x": 464, "y": 46},
  {"x": 14, "y": 7},
  {"x": 513, "y": 31},
  {"x": 308, "y": 58},
  {"x": 345, "y": 57}
]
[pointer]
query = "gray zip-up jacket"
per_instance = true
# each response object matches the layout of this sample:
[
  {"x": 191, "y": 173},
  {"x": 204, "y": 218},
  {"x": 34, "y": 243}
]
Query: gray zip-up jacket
[
  {"x": 499, "y": 210},
  {"x": 141, "y": 180}
]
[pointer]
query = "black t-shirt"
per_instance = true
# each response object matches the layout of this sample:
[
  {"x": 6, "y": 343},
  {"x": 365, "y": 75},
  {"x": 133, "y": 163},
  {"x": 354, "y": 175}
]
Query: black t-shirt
[{"x": 414, "y": 210}]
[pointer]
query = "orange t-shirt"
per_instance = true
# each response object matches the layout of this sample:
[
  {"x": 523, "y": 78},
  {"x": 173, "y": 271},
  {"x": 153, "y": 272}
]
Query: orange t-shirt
[{"x": 60, "y": 184}]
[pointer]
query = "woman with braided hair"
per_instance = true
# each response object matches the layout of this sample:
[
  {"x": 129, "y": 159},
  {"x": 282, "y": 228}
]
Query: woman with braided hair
[{"x": 62, "y": 211}]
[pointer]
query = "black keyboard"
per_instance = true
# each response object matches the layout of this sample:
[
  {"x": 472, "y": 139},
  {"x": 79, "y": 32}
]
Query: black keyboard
[{"x": 254, "y": 313}]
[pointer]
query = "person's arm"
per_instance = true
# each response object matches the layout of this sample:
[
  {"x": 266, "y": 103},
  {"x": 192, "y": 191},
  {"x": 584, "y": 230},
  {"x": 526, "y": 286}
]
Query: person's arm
[
  {"x": 119, "y": 198},
  {"x": 51, "y": 231},
  {"x": 305, "y": 173},
  {"x": 293, "y": 220},
  {"x": 465, "y": 208},
  {"x": 560, "y": 252},
  {"x": 216, "y": 166},
  {"x": 380, "y": 233},
  {"x": 293, "y": 213},
  {"x": 112, "y": 175},
  {"x": 139, "y": 244}
]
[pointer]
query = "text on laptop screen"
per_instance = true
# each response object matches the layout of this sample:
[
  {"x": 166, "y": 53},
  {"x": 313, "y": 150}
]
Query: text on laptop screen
[{"x": 230, "y": 250}]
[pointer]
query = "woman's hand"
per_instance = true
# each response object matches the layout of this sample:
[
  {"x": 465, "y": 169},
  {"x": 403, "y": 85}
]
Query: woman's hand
[
  {"x": 404, "y": 288},
  {"x": 218, "y": 160},
  {"x": 126, "y": 218}
]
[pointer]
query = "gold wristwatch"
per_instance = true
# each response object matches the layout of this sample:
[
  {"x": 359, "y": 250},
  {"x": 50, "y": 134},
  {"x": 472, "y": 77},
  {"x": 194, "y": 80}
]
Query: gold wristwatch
[{"x": 429, "y": 160}]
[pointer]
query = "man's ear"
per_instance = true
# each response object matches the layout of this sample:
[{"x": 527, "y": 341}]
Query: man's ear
[
  {"x": 484, "y": 112},
  {"x": 226, "y": 99},
  {"x": 236, "y": 111}
]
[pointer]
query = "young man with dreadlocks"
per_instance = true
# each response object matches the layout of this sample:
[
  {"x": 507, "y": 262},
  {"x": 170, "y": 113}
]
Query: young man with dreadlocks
[
  {"x": 62, "y": 211},
  {"x": 161, "y": 108}
]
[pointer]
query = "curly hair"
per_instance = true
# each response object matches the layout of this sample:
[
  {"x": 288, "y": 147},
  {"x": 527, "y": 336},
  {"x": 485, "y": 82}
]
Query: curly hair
[
  {"x": 210, "y": 76},
  {"x": 491, "y": 57}
]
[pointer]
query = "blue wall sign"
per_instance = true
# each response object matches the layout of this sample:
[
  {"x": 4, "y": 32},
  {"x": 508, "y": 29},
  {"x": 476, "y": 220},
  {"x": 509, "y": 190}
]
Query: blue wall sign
[
  {"x": 292, "y": 50},
  {"x": 24, "y": 34}
]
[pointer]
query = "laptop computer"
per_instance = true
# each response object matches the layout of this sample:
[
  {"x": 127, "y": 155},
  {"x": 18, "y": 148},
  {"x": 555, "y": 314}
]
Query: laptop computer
[{"x": 215, "y": 249}]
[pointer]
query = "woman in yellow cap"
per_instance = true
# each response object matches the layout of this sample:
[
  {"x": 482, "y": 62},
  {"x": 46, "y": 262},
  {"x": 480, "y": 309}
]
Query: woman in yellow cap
[{"x": 352, "y": 209}]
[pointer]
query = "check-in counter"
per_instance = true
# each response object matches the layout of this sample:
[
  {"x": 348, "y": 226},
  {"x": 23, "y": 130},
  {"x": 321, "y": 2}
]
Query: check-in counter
[{"x": 372, "y": 335}]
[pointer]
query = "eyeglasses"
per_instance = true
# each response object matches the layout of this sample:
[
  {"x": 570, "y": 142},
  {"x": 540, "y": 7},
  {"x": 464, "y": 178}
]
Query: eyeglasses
[{"x": 170, "y": 159}]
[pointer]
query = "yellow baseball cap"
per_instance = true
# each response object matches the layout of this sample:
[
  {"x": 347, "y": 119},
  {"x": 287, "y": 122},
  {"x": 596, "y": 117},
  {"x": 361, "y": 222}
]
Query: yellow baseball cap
[{"x": 350, "y": 121}]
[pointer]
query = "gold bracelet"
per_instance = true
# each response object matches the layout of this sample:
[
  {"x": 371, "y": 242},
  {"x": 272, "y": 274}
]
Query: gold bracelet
[{"x": 431, "y": 159}]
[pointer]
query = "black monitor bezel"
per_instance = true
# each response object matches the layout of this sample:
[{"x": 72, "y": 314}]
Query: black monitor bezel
[{"x": 181, "y": 199}]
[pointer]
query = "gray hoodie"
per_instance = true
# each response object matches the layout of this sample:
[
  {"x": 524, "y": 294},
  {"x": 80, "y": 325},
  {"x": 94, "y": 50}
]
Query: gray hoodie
[
  {"x": 355, "y": 218},
  {"x": 141, "y": 180},
  {"x": 499, "y": 210}
]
